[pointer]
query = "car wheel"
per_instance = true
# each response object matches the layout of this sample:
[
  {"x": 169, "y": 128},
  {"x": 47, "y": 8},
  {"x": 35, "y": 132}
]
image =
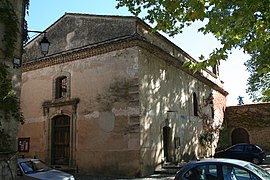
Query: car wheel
[{"x": 255, "y": 160}]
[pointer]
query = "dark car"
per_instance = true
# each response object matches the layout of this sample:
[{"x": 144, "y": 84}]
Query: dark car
[
  {"x": 36, "y": 169},
  {"x": 221, "y": 169},
  {"x": 247, "y": 152}
]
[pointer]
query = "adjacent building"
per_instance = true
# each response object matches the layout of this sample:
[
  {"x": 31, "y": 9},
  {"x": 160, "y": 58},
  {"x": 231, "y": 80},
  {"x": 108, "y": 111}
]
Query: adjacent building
[
  {"x": 112, "y": 97},
  {"x": 248, "y": 123}
]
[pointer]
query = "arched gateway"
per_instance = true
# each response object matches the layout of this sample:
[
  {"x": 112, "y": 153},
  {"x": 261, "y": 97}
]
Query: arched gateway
[{"x": 239, "y": 135}]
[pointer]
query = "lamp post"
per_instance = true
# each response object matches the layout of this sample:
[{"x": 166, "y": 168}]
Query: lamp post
[
  {"x": 44, "y": 47},
  {"x": 44, "y": 43}
]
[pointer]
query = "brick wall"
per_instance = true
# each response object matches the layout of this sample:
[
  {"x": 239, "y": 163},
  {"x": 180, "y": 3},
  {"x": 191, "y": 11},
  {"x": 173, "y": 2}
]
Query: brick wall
[{"x": 253, "y": 118}]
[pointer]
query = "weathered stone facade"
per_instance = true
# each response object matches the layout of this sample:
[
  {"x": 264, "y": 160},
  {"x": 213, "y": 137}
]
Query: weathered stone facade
[
  {"x": 8, "y": 124},
  {"x": 128, "y": 101},
  {"x": 248, "y": 123}
]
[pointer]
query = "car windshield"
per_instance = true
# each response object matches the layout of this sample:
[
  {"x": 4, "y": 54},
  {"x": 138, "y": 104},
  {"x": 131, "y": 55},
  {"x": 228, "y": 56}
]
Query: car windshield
[
  {"x": 260, "y": 171},
  {"x": 30, "y": 167}
]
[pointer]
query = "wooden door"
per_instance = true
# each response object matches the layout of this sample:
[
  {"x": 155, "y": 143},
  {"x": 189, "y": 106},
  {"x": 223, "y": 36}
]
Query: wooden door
[
  {"x": 167, "y": 144},
  {"x": 60, "y": 147}
]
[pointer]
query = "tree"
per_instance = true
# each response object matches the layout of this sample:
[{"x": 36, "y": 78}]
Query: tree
[
  {"x": 241, "y": 24},
  {"x": 259, "y": 80}
]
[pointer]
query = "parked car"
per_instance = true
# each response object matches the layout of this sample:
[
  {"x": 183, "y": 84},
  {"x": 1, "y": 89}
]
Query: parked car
[
  {"x": 36, "y": 169},
  {"x": 221, "y": 169},
  {"x": 246, "y": 152}
]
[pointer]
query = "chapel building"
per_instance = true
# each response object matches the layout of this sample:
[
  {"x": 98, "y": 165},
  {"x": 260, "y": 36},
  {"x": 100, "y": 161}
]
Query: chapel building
[{"x": 112, "y": 97}]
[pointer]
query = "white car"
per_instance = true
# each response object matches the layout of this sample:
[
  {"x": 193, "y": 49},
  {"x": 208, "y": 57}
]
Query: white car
[
  {"x": 221, "y": 169},
  {"x": 36, "y": 169}
]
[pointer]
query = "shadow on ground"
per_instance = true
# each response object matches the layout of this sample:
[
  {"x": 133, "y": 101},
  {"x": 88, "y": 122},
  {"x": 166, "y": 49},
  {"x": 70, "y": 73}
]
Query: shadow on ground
[{"x": 161, "y": 175}]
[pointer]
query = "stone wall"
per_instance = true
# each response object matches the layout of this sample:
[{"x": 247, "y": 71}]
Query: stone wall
[
  {"x": 8, "y": 159},
  {"x": 166, "y": 102},
  {"x": 105, "y": 122},
  {"x": 8, "y": 165},
  {"x": 253, "y": 118},
  {"x": 96, "y": 29},
  {"x": 125, "y": 91}
]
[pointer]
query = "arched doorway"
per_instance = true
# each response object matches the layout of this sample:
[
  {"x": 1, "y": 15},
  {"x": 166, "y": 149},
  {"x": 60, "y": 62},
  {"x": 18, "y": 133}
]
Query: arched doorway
[
  {"x": 239, "y": 135},
  {"x": 167, "y": 143},
  {"x": 60, "y": 140}
]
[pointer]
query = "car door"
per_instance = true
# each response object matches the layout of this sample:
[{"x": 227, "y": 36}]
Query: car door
[
  {"x": 235, "y": 152},
  {"x": 248, "y": 153}
]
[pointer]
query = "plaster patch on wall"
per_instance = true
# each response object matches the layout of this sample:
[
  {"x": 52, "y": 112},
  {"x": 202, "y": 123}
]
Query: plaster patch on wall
[
  {"x": 69, "y": 38},
  {"x": 78, "y": 21},
  {"x": 33, "y": 120},
  {"x": 94, "y": 114},
  {"x": 106, "y": 121},
  {"x": 120, "y": 112},
  {"x": 118, "y": 92},
  {"x": 133, "y": 69},
  {"x": 134, "y": 110}
]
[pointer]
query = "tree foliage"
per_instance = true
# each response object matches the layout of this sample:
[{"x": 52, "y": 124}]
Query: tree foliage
[
  {"x": 259, "y": 80},
  {"x": 10, "y": 21},
  {"x": 9, "y": 103},
  {"x": 243, "y": 24}
]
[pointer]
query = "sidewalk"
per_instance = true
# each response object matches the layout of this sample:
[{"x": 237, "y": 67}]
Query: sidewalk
[
  {"x": 160, "y": 174},
  {"x": 166, "y": 173},
  {"x": 151, "y": 177}
]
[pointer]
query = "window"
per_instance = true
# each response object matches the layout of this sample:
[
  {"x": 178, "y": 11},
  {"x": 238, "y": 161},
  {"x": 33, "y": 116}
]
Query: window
[
  {"x": 250, "y": 148},
  {"x": 61, "y": 85},
  {"x": 234, "y": 173},
  {"x": 195, "y": 104},
  {"x": 202, "y": 172},
  {"x": 215, "y": 69},
  {"x": 212, "y": 112},
  {"x": 262, "y": 172},
  {"x": 239, "y": 148}
]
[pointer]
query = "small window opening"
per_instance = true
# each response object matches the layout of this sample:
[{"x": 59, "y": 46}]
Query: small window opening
[
  {"x": 212, "y": 112},
  {"x": 61, "y": 87},
  {"x": 195, "y": 104}
]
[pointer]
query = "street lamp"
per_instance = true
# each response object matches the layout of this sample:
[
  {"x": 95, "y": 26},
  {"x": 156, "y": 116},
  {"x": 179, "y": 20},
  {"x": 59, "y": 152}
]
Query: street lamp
[
  {"x": 44, "y": 43},
  {"x": 44, "y": 46},
  {"x": 16, "y": 62}
]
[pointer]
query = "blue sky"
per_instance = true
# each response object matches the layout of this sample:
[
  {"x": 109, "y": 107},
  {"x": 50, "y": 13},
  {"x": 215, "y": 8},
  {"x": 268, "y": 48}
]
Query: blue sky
[{"x": 44, "y": 13}]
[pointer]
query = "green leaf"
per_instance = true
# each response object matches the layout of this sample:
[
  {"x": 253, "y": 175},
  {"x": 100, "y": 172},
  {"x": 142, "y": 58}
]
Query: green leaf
[{"x": 236, "y": 24}]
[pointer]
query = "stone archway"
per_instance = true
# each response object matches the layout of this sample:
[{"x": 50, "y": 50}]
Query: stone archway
[{"x": 239, "y": 135}]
